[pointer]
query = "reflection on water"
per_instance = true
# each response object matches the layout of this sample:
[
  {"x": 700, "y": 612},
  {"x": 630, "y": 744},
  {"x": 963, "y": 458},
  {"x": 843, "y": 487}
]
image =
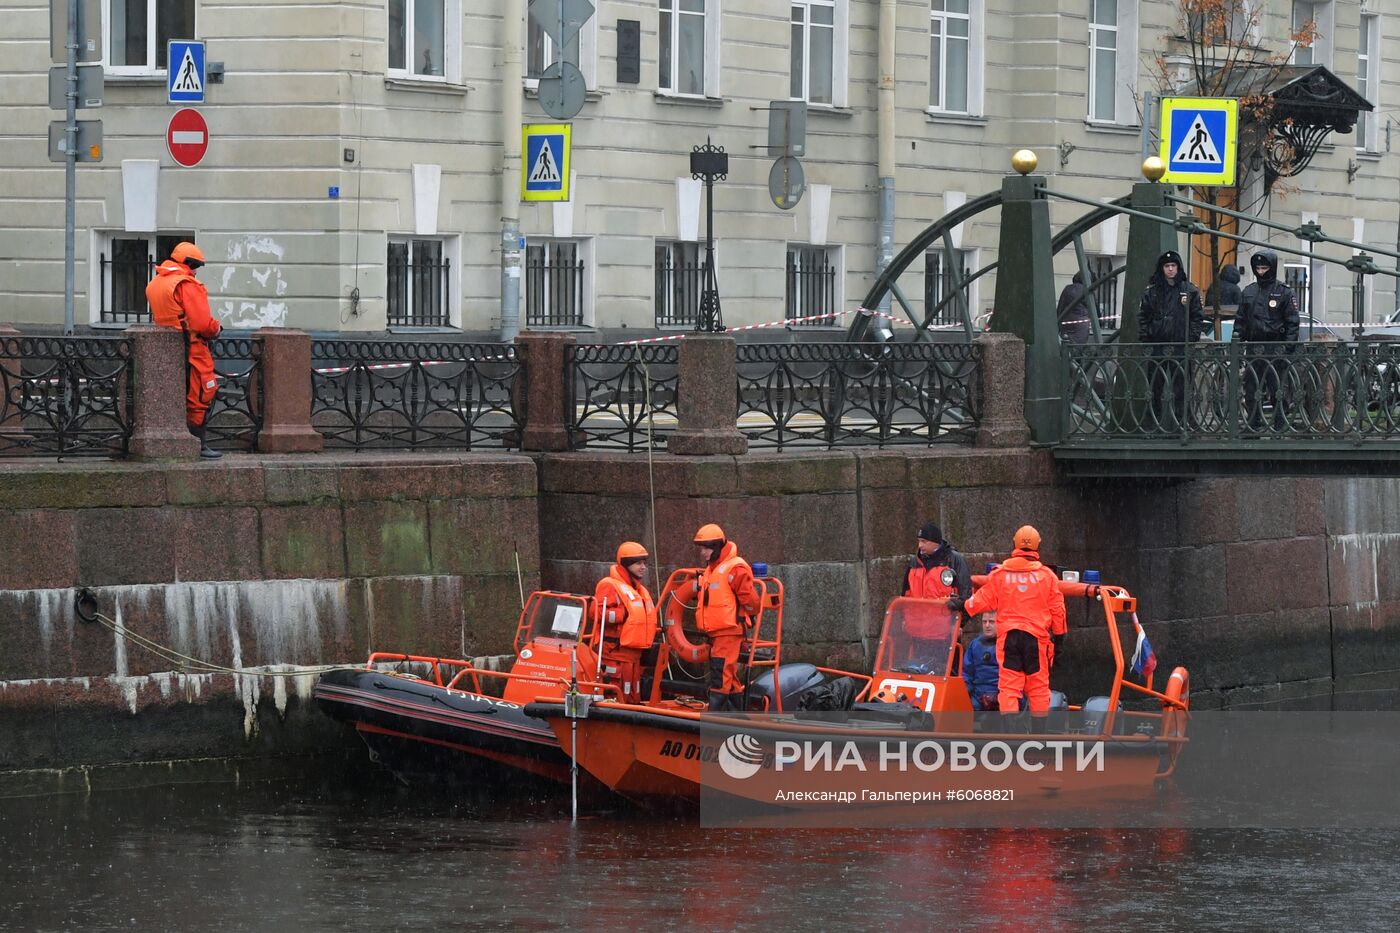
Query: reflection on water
[{"x": 280, "y": 857}]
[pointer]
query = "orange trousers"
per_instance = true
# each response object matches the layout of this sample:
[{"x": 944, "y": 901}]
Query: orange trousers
[
  {"x": 202, "y": 383},
  {"x": 1034, "y": 684},
  {"x": 724, "y": 663},
  {"x": 622, "y": 667}
]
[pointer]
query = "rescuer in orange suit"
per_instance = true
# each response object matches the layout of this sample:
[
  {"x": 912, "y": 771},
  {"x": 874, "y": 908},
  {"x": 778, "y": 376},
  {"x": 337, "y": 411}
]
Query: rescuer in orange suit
[
  {"x": 727, "y": 604},
  {"x": 628, "y": 616},
  {"x": 181, "y": 301},
  {"x": 1030, "y": 610}
]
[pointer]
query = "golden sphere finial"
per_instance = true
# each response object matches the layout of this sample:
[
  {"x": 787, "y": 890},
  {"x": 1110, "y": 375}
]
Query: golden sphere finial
[
  {"x": 1153, "y": 168},
  {"x": 1024, "y": 161}
]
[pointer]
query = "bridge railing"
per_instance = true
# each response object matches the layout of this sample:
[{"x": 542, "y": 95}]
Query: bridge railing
[
  {"x": 65, "y": 396},
  {"x": 1211, "y": 393},
  {"x": 621, "y": 396}
]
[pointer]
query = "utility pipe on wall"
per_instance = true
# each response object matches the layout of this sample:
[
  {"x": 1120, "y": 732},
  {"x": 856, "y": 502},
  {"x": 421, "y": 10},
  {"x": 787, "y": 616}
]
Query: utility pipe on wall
[
  {"x": 512, "y": 79},
  {"x": 884, "y": 252}
]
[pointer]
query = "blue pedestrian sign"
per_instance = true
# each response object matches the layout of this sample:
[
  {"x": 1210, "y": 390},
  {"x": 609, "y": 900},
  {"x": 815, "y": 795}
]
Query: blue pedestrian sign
[
  {"x": 1199, "y": 138},
  {"x": 545, "y": 173},
  {"x": 185, "y": 72}
]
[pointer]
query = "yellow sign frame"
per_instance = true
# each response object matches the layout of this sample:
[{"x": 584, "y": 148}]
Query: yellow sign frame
[
  {"x": 564, "y": 159},
  {"x": 1230, "y": 106}
]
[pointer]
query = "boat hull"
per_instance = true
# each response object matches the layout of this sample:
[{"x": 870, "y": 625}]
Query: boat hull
[{"x": 426, "y": 733}]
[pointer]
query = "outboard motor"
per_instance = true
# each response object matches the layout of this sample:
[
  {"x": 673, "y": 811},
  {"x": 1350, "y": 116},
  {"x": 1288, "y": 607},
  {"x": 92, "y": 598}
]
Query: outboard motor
[
  {"x": 1092, "y": 715},
  {"x": 793, "y": 681}
]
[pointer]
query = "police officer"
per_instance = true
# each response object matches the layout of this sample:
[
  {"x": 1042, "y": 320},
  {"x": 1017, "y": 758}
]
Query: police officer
[
  {"x": 1268, "y": 313},
  {"x": 1170, "y": 315}
]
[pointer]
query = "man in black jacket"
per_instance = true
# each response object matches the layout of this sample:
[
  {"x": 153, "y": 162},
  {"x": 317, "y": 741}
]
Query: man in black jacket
[
  {"x": 1171, "y": 314},
  {"x": 1268, "y": 314}
]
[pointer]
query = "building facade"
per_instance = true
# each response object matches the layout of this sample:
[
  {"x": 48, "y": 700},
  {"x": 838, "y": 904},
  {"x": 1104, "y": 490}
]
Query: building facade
[{"x": 354, "y": 172}]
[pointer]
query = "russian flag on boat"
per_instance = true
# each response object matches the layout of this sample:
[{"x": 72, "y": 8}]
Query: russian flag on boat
[{"x": 1144, "y": 658}]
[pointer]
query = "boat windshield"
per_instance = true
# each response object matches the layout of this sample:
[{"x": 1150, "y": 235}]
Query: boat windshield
[
  {"x": 556, "y": 615},
  {"x": 918, "y": 636}
]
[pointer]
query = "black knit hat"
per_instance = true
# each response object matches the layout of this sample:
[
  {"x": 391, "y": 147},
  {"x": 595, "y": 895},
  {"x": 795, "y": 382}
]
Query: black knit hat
[{"x": 931, "y": 532}]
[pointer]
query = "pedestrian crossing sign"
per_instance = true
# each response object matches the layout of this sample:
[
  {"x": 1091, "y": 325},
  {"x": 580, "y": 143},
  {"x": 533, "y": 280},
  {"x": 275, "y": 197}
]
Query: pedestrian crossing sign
[
  {"x": 1199, "y": 136},
  {"x": 185, "y": 72},
  {"x": 544, "y": 176}
]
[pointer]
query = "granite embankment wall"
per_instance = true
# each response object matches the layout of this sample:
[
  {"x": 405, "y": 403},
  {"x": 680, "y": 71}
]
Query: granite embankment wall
[{"x": 1264, "y": 588}]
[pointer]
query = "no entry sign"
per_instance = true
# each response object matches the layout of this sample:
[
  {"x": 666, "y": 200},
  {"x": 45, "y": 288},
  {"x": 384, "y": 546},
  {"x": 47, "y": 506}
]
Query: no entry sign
[{"x": 187, "y": 137}]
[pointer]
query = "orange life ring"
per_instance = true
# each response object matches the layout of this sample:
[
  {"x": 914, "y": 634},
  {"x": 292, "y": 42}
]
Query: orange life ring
[
  {"x": 673, "y": 615},
  {"x": 1178, "y": 690}
]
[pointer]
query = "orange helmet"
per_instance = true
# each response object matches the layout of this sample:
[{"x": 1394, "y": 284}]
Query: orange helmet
[
  {"x": 186, "y": 251},
  {"x": 1026, "y": 538},
  {"x": 629, "y": 551},
  {"x": 710, "y": 534}
]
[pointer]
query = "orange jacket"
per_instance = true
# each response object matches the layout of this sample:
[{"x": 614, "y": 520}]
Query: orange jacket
[
  {"x": 181, "y": 301},
  {"x": 1025, "y": 595},
  {"x": 630, "y": 617},
  {"x": 726, "y": 589}
]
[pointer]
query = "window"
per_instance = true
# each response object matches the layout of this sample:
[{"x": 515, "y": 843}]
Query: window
[
  {"x": 813, "y": 51},
  {"x": 680, "y": 280},
  {"x": 419, "y": 283},
  {"x": 541, "y": 52},
  {"x": 554, "y": 284},
  {"x": 1312, "y": 20},
  {"x": 812, "y": 282},
  {"x": 424, "y": 38},
  {"x": 1103, "y": 58},
  {"x": 1106, "y": 291},
  {"x": 1367, "y": 67},
  {"x": 950, "y": 55},
  {"x": 682, "y": 57},
  {"x": 1241, "y": 28},
  {"x": 138, "y": 32},
  {"x": 126, "y": 263},
  {"x": 941, "y": 280}
]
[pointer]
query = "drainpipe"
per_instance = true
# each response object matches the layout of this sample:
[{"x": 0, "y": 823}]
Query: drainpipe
[
  {"x": 512, "y": 78},
  {"x": 885, "y": 99}
]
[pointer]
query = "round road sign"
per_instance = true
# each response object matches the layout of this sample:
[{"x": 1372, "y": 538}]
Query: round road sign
[
  {"x": 187, "y": 137},
  {"x": 786, "y": 182}
]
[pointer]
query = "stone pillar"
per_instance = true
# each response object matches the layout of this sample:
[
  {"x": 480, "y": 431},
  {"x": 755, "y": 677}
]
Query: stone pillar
[
  {"x": 286, "y": 393},
  {"x": 11, "y": 431},
  {"x": 159, "y": 384},
  {"x": 707, "y": 398},
  {"x": 1002, "y": 388},
  {"x": 547, "y": 414}
]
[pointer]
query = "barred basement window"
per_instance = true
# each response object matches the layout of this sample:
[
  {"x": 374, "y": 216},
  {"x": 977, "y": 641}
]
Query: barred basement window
[
  {"x": 1106, "y": 293},
  {"x": 554, "y": 284},
  {"x": 811, "y": 285},
  {"x": 126, "y": 265},
  {"x": 418, "y": 283},
  {"x": 680, "y": 280},
  {"x": 940, "y": 281}
]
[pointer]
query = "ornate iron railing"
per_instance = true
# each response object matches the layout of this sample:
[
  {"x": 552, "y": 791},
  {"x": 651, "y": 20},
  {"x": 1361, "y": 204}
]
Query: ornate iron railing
[
  {"x": 65, "y": 396},
  {"x": 235, "y": 418},
  {"x": 830, "y": 394},
  {"x": 1214, "y": 392},
  {"x": 390, "y": 394},
  {"x": 609, "y": 391}
]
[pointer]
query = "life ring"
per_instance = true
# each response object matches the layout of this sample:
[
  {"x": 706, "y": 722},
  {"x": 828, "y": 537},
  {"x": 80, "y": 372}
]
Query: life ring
[
  {"x": 1178, "y": 690},
  {"x": 673, "y": 616}
]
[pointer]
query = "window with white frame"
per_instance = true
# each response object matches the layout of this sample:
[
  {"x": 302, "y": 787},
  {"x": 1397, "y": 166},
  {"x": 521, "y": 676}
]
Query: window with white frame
[
  {"x": 1103, "y": 284},
  {"x": 126, "y": 263},
  {"x": 138, "y": 33},
  {"x": 682, "y": 26},
  {"x": 419, "y": 286},
  {"x": 1113, "y": 53},
  {"x": 1240, "y": 28},
  {"x": 541, "y": 51},
  {"x": 950, "y": 55},
  {"x": 943, "y": 280},
  {"x": 556, "y": 283},
  {"x": 1368, "y": 57},
  {"x": 425, "y": 39},
  {"x": 820, "y": 48},
  {"x": 813, "y": 285},
  {"x": 1314, "y": 17},
  {"x": 680, "y": 280}
]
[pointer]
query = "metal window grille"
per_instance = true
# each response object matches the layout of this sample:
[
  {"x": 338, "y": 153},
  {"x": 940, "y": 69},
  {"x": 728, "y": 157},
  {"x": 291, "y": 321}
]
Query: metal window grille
[
  {"x": 418, "y": 284},
  {"x": 553, "y": 285},
  {"x": 939, "y": 283},
  {"x": 680, "y": 279},
  {"x": 1106, "y": 292},
  {"x": 811, "y": 285},
  {"x": 124, "y": 278}
]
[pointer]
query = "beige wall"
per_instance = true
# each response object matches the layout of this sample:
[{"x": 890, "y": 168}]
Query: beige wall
[{"x": 308, "y": 81}]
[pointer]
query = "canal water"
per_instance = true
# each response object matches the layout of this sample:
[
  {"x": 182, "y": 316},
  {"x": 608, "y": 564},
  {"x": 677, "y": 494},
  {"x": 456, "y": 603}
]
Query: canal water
[{"x": 308, "y": 857}]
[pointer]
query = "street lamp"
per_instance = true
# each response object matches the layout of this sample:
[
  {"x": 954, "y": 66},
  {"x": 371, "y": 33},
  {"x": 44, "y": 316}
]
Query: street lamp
[{"x": 707, "y": 163}]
